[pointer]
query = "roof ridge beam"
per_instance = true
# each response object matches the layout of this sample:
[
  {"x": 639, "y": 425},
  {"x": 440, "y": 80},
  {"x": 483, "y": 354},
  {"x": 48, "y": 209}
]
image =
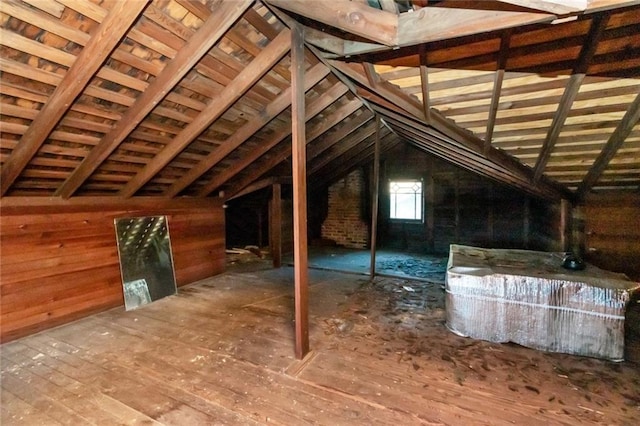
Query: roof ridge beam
[
  {"x": 352, "y": 17},
  {"x": 103, "y": 41}
]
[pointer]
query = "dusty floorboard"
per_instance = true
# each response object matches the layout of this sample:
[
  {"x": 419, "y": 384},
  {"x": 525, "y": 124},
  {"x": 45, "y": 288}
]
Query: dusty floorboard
[{"x": 221, "y": 352}]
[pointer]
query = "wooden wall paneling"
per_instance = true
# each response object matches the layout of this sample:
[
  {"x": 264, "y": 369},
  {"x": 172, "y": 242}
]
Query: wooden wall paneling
[
  {"x": 59, "y": 263},
  {"x": 612, "y": 235}
]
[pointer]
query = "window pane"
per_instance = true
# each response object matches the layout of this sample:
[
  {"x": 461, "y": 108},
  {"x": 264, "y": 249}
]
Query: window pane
[{"x": 406, "y": 199}]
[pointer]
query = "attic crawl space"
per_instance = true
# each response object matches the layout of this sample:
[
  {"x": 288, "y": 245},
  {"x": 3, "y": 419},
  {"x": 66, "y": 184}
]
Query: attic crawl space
[{"x": 301, "y": 175}]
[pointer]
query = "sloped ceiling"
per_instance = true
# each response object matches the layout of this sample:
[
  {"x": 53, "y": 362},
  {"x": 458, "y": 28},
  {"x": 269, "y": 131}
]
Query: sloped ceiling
[{"x": 173, "y": 98}]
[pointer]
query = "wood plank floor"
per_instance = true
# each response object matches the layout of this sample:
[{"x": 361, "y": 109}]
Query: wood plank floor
[{"x": 221, "y": 352}]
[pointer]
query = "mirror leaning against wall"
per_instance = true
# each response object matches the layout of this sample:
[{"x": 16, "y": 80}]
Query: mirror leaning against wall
[{"x": 146, "y": 262}]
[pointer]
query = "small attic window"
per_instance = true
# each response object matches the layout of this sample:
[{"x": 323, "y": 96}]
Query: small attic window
[{"x": 405, "y": 197}]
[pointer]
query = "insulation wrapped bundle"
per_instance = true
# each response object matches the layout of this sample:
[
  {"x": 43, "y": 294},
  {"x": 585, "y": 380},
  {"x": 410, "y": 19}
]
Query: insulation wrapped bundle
[{"x": 526, "y": 297}]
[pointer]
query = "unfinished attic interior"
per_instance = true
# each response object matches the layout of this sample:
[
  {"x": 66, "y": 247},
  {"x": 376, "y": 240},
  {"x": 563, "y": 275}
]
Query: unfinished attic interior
[{"x": 329, "y": 212}]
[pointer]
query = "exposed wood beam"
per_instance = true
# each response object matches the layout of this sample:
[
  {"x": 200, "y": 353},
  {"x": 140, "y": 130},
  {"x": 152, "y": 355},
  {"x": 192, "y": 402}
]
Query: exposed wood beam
[
  {"x": 355, "y": 157},
  {"x": 44, "y": 205},
  {"x": 497, "y": 88},
  {"x": 560, "y": 7},
  {"x": 280, "y": 153},
  {"x": 437, "y": 23},
  {"x": 261, "y": 184},
  {"x": 424, "y": 26},
  {"x": 351, "y": 17},
  {"x": 279, "y": 104},
  {"x": 615, "y": 141},
  {"x": 572, "y": 88},
  {"x": 260, "y": 65},
  {"x": 275, "y": 225},
  {"x": 341, "y": 146},
  {"x": 424, "y": 83},
  {"x": 341, "y": 131},
  {"x": 493, "y": 109},
  {"x": 313, "y": 109},
  {"x": 374, "y": 199},
  {"x": 384, "y": 88},
  {"x": 299, "y": 176},
  {"x": 462, "y": 148},
  {"x": 103, "y": 41},
  {"x": 447, "y": 129},
  {"x": 211, "y": 31},
  {"x": 372, "y": 75}
]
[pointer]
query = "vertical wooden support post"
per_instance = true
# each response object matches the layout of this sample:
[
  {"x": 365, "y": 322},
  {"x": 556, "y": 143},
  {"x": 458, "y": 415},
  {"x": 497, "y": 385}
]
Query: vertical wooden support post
[
  {"x": 430, "y": 210},
  {"x": 374, "y": 198},
  {"x": 565, "y": 225},
  {"x": 457, "y": 207},
  {"x": 490, "y": 217},
  {"x": 526, "y": 224},
  {"x": 275, "y": 226},
  {"x": 578, "y": 223},
  {"x": 299, "y": 170}
]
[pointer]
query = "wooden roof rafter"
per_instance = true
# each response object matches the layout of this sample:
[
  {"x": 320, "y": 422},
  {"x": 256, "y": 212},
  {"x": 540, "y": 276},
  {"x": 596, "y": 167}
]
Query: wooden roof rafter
[
  {"x": 231, "y": 93},
  {"x": 614, "y": 143},
  {"x": 278, "y": 105},
  {"x": 312, "y": 109},
  {"x": 92, "y": 56},
  {"x": 406, "y": 29},
  {"x": 587, "y": 52},
  {"x": 209, "y": 34}
]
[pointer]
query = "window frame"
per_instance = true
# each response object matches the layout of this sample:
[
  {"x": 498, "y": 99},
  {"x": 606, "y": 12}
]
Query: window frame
[{"x": 420, "y": 197}]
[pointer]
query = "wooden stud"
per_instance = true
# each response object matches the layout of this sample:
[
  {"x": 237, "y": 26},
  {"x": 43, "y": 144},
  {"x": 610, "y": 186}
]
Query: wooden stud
[
  {"x": 371, "y": 73},
  {"x": 198, "y": 45},
  {"x": 106, "y": 37},
  {"x": 374, "y": 199},
  {"x": 526, "y": 222},
  {"x": 424, "y": 83},
  {"x": 275, "y": 225},
  {"x": 299, "y": 171}
]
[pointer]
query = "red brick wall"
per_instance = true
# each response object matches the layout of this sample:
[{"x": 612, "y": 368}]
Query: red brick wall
[{"x": 344, "y": 223}]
